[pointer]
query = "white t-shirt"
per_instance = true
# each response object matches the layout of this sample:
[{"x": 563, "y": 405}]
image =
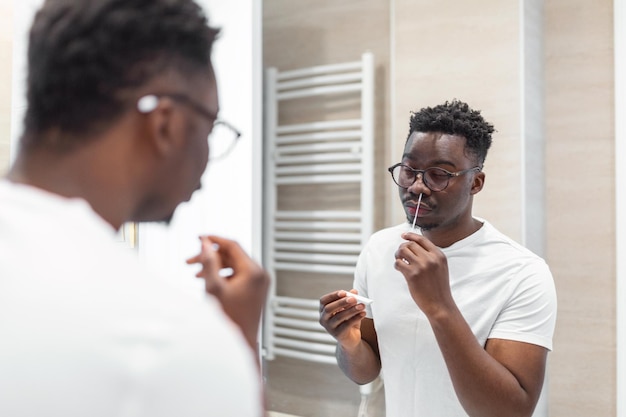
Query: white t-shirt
[
  {"x": 502, "y": 289},
  {"x": 85, "y": 330}
]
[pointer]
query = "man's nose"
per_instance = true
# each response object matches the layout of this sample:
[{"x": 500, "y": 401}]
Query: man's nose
[{"x": 418, "y": 185}]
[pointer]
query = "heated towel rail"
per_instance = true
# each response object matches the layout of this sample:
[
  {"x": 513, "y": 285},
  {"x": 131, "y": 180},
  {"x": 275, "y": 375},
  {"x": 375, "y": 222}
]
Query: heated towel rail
[{"x": 319, "y": 241}]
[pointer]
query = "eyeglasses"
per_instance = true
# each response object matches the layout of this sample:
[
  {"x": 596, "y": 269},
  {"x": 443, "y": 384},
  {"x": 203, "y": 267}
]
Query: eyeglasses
[
  {"x": 435, "y": 178},
  {"x": 223, "y": 136}
]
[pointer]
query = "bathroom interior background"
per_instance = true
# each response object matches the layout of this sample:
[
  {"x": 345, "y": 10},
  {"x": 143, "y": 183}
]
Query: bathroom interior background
[{"x": 542, "y": 72}]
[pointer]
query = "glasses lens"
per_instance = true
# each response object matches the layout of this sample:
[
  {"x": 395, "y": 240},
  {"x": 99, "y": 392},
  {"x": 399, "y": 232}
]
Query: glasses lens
[
  {"x": 403, "y": 176},
  {"x": 436, "y": 178},
  {"x": 221, "y": 140}
]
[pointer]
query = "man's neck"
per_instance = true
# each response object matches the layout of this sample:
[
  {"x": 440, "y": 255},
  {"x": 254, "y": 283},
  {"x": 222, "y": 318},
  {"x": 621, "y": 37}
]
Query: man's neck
[
  {"x": 445, "y": 237},
  {"x": 74, "y": 177}
]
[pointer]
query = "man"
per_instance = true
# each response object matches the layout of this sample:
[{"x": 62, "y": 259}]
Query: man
[
  {"x": 462, "y": 317},
  {"x": 121, "y": 97}
]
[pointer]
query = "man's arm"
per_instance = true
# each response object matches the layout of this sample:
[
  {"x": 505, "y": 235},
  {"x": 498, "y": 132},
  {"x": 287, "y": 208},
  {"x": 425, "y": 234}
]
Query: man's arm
[
  {"x": 357, "y": 346},
  {"x": 503, "y": 378}
]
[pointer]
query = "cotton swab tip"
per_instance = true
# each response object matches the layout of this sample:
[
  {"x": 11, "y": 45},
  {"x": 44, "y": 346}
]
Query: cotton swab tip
[{"x": 360, "y": 298}]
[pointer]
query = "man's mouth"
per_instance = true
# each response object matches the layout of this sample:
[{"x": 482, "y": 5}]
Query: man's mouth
[{"x": 411, "y": 208}]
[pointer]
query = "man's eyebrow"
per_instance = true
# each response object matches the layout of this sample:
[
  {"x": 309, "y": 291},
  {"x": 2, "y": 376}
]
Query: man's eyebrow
[
  {"x": 443, "y": 162},
  {"x": 432, "y": 163}
]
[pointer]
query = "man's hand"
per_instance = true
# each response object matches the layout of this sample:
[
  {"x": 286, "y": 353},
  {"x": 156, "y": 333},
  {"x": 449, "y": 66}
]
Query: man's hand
[
  {"x": 242, "y": 293},
  {"x": 357, "y": 350},
  {"x": 341, "y": 317},
  {"x": 425, "y": 269}
]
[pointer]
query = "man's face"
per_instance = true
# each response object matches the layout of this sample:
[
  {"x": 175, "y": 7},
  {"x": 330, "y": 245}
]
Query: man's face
[
  {"x": 200, "y": 126},
  {"x": 441, "y": 210},
  {"x": 179, "y": 173}
]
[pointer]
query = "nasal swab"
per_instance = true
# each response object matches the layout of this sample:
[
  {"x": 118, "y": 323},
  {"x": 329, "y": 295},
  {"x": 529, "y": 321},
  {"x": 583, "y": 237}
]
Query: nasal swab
[
  {"x": 360, "y": 298},
  {"x": 417, "y": 209}
]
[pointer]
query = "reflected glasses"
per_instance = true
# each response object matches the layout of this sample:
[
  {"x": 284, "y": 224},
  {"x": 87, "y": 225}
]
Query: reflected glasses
[
  {"x": 436, "y": 179},
  {"x": 223, "y": 136}
]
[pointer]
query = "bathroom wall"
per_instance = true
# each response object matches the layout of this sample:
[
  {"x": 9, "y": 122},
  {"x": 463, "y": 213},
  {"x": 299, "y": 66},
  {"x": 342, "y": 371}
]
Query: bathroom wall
[{"x": 580, "y": 180}]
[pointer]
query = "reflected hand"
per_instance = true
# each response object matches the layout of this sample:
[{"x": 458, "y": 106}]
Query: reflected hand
[
  {"x": 341, "y": 317},
  {"x": 243, "y": 293}
]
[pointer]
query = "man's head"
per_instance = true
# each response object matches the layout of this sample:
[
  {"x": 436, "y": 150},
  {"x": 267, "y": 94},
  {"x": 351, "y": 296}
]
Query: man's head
[
  {"x": 86, "y": 59},
  {"x": 442, "y": 160},
  {"x": 121, "y": 98}
]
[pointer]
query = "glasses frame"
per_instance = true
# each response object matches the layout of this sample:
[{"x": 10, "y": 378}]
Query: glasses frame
[
  {"x": 236, "y": 135},
  {"x": 149, "y": 103},
  {"x": 416, "y": 172}
]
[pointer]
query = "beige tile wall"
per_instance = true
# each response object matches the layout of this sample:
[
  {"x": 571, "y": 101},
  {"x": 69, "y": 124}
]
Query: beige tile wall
[
  {"x": 580, "y": 205},
  {"x": 6, "y": 33}
]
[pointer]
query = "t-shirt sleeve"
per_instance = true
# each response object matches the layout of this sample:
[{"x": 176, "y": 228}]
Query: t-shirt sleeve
[
  {"x": 530, "y": 313},
  {"x": 360, "y": 278}
]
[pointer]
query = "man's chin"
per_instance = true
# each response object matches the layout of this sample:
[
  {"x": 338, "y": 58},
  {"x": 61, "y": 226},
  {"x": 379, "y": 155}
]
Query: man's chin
[
  {"x": 427, "y": 227},
  {"x": 422, "y": 227}
]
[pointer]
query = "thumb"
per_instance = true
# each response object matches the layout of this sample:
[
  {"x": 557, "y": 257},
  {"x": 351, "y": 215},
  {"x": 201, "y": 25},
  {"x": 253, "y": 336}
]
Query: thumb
[{"x": 211, "y": 265}]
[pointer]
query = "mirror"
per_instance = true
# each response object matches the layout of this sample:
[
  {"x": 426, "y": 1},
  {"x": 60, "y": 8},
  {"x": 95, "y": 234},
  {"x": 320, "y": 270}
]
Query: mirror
[{"x": 543, "y": 75}]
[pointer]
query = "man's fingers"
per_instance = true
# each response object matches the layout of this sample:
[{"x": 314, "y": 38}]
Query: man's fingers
[
  {"x": 422, "y": 241},
  {"x": 331, "y": 297},
  {"x": 230, "y": 253},
  {"x": 339, "y": 309},
  {"x": 193, "y": 260}
]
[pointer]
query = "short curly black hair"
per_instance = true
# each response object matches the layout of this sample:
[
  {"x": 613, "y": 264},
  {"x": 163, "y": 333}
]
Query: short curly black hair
[
  {"x": 83, "y": 56},
  {"x": 455, "y": 118}
]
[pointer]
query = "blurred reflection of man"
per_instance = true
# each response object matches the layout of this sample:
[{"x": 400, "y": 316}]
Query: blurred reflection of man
[
  {"x": 121, "y": 99},
  {"x": 463, "y": 317}
]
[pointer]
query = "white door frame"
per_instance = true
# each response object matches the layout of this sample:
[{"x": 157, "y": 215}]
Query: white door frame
[{"x": 619, "y": 16}]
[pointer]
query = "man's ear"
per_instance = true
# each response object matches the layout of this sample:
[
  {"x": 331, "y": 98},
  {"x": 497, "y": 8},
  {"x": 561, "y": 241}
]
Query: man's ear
[
  {"x": 161, "y": 126},
  {"x": 478, "y": 182}
]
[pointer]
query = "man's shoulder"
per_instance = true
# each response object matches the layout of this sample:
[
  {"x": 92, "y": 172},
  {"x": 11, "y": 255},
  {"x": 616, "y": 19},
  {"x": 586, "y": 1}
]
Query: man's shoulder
[
  {"x": 501, "y": 251},
  {"x": 493, "y": 236}
]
